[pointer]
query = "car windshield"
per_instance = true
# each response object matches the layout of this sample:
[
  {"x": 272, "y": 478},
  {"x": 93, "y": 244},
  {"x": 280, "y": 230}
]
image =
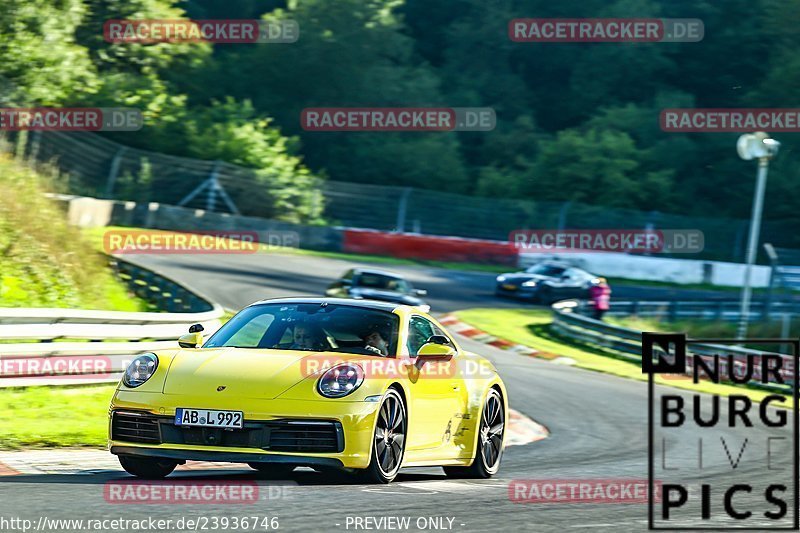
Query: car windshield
[
  {"x": 382, "y": 282},
  {"x": 545, "y": 270},
  {"x": 308, "y": 327}
]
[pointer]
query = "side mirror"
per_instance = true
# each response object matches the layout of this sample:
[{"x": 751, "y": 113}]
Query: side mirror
[
  {"x": 190, "y": 340},
  {"x": 193, "y": 339},
  {"x": 438, "y": 339},
  {"x": 432, "y": 351},
  {"x": 420, "y": 292}
]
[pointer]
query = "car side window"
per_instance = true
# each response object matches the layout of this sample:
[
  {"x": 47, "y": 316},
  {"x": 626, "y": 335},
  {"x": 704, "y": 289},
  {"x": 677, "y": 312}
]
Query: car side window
[
  {"x": 440, "y": 331},
  {"x": 419, "y": 331}
]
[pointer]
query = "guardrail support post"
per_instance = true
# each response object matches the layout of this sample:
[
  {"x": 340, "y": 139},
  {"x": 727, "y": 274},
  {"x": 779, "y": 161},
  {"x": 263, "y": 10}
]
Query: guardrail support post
[
  {"x": 402, "y": 207},
  {"x": 673, "y": 311},
  {"x": 773, "y": 264},
  {"x": 113, "y": 171}
]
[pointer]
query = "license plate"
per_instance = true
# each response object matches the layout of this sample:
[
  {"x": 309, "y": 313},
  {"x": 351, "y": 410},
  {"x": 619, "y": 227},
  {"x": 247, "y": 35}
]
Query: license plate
[
  {"x": 510, "y": 287},
  {"x": 208, "y": 418}
]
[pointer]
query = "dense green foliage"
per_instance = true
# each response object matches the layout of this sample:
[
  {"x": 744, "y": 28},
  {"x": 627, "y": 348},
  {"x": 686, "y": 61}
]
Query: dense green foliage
[
  {"x": 576, "y": 122},
  {"x": 44, "y": 262}
]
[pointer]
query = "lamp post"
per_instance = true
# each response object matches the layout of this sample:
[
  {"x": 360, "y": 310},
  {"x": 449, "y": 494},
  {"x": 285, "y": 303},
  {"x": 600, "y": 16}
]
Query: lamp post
[{"x": 754, "y": 146}]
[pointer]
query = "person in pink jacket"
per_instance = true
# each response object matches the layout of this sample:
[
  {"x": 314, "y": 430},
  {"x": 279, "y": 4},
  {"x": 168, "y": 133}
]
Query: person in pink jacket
[{"x": 600, "y": 295}]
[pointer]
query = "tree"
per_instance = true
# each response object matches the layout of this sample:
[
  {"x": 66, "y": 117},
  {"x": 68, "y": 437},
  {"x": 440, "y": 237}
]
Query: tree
[{"x": 41, "y": 60}]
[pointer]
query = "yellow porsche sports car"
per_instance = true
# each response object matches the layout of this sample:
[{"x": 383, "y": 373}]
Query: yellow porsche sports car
[{"x": 361, "y": 386}]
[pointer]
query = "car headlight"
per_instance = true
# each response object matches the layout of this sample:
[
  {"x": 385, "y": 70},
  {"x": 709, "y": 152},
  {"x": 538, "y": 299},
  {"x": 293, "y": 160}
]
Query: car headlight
[
  {"x": 501, "y": 279},
  {"x": 340, "y": 380},
  {"x": 140, "y": 370},
  {"x": 530, "y": 283}
]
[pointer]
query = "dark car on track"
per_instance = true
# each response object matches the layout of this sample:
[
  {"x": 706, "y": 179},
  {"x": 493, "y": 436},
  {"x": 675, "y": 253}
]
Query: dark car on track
[
  {"x": 546, "y": 283},
  {"x": 380, "y": 285}
]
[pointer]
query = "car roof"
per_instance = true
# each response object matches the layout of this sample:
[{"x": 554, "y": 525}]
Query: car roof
[
  {"x": 364, "y": 304},
  {"x": 565, "y": 266},
  {"x": 549, "y": 263},
  {"x": 378, "y": 272}
]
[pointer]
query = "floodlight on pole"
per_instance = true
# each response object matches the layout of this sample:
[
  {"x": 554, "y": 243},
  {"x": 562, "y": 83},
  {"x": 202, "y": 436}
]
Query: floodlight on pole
[{"x": 750, "y": 146}]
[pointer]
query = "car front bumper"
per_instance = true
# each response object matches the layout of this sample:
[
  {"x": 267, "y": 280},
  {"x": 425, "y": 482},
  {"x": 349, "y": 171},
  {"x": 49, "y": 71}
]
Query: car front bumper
[
  {"x": 517, "y": 291},
  {"x": 352, "y": 421}
]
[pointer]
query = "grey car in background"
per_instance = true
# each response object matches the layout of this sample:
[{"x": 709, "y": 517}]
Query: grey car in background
[
  {"x": 546, "y": 282},
  {"x": 373, "y": 284}
]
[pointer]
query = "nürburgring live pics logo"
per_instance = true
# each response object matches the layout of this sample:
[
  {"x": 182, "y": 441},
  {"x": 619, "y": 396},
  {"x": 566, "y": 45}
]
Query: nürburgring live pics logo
[{"x": 723, "y": 462}]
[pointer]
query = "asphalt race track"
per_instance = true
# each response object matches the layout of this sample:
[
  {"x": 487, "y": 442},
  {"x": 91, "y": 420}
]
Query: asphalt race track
[
  {"x": 237, "y": 280},
  {"x": 598, "y": 426}
]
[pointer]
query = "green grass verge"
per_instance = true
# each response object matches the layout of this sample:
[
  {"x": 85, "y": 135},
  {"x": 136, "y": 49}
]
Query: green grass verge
[
  {"x": 531, "y": 328},
  {"x": 45, "y": 262},
  {"x": 43, "y": 417},
  {"x": 706, "y": 328}
]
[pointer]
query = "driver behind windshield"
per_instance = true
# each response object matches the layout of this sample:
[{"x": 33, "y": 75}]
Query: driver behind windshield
[
  {"x": 307, "y": 337},
  {"x": 375, "y": 341}
]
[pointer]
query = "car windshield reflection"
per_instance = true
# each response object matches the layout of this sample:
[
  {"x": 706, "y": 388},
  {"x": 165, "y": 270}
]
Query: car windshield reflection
[{"x": 310, "y": 327}]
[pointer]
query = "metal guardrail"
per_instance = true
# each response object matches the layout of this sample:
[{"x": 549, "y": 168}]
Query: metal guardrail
[
  {"x": 74, "y": 346},
  {"x": 165, "y": 293},
  {"x": 627, "y": 343},
  {"x": 723, "y": 310}
]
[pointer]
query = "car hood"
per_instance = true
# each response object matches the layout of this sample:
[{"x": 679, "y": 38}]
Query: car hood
[
  {"x": 385, "y": 296},
  {"x": 249, "y": 373}
]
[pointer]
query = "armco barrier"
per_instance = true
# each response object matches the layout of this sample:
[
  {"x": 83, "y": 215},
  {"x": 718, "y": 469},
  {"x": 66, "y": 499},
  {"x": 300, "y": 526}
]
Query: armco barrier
[
  {"x": 720, "y": 310},
  {"x": 99, "y": 344},
  {"x": 428, "y": 247},
  {"x": 159, "y": 290},
  {"x": 627, "y": 343}
]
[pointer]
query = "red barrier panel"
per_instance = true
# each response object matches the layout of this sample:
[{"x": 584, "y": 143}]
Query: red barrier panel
[{"x": 429, "y": 247}]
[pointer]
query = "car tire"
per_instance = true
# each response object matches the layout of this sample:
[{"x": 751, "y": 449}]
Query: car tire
[
  {"x": 146, "y": 467},
  {"x": 489, "y": 448},
  {"x": 389, "y": 440},
  {"x": 273, "y": 470}
]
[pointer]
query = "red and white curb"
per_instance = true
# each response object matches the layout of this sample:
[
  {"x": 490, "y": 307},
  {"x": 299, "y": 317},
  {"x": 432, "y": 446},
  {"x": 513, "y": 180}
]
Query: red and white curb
[
  {"x": 453, "y": 323},
  {"x": 523, "y": 430},
  {"x": 79, "y": 462}
]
